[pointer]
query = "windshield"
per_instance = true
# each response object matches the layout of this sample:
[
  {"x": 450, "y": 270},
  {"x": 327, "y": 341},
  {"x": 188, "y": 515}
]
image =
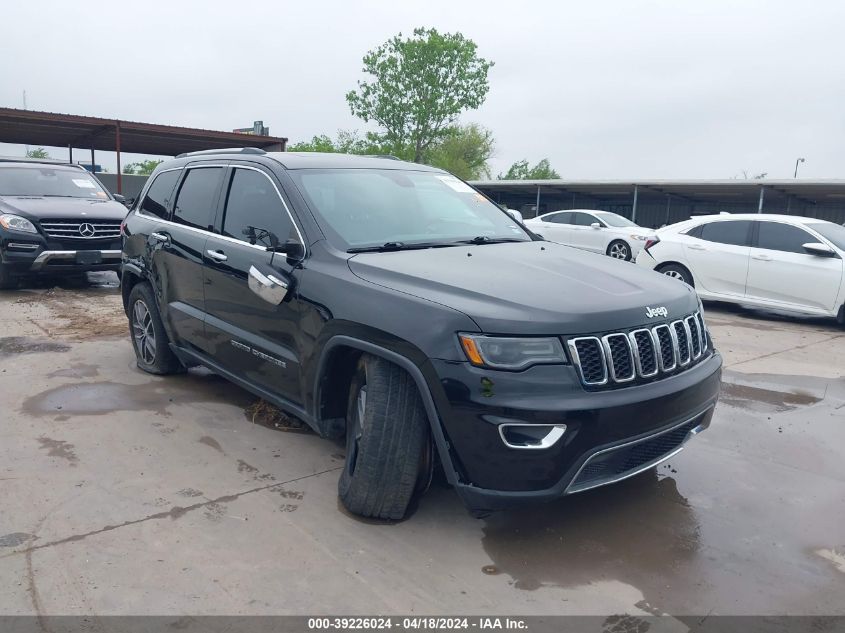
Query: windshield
[
  {"x": 833, "y": 232},
  {"x": 49, "y": 181},
  {"x": 611, "y": 219},
  {"x": 371, "y": 207}
]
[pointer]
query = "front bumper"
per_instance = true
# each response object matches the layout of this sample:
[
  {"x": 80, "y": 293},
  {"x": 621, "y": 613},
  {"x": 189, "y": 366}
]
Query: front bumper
[
  {"x": 33, "y": 254},
  {"x": 610, "y": 435}
]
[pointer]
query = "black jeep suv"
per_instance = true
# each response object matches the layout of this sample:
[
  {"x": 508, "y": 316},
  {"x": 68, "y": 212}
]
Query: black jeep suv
[
  {"x": 392, "y": 303},
  {"x": 55, "y": 218}
]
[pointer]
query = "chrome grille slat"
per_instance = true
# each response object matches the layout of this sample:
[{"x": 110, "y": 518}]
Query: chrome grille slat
[
  {"x": 70, "y": 229},
  {"x": 645, "y": 353}
]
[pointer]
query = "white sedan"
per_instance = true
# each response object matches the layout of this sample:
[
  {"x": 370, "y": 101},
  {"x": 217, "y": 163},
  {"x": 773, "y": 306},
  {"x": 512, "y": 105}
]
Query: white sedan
[
  {"x": 783, "y": 262},
  {"x": 598, "y": 231}
]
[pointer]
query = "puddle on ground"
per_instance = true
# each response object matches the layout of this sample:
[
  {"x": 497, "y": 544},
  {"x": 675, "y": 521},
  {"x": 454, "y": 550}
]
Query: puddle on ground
[
  {"x": 577, "y": 540},
  {"x": 77, "y": 370},
  {"x": 100, "y": 398},
  {"x": 15, "y": 538},
  {"x": 747, "y": 396},
  {"x": 59, "y": 448},
  {"x": 12, "y": 345}
]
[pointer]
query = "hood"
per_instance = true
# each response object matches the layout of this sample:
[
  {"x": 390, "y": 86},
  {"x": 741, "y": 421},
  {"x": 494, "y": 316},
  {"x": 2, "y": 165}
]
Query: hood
[
  {"x": 530, "y": 287},
  {"x": 37, "y": 208}
]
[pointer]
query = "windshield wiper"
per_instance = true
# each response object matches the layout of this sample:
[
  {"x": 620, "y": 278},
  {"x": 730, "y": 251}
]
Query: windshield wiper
[
  {"x": 484, "y": 239},
  {"x": 398, "y": 246}
]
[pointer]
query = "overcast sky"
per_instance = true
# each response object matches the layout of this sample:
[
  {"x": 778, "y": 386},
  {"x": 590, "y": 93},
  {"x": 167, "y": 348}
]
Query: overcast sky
[{"x": 617, "y": 90}]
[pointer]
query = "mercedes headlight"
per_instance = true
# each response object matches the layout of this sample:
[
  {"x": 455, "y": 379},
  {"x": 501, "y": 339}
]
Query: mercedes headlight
[
  {"x": 17, "y": 223},
  {"x": 500, "y": 352}
]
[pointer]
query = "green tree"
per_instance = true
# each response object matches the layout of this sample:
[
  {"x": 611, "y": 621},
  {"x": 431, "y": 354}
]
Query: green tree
[
  {"x": 38, "y": 152},
  {"x": 141, "y": 168},
  {"x": 348, "y": 142},
  {"x": 464, "y": 152},
  {"x": 419, "y": 87},
  {"x": 520, "y": 170}
]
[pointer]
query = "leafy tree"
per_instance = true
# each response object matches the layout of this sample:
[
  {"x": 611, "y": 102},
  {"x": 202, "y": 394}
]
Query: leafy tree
[
  {"x": 320, "y": 143},
  {"x": 521, "y": 171},
  {"x": 419, "y": 87},
  {"x": 464, "y": 152},
  {"x": 38, "y": 152},
  {"x": 141, "y": 168},
  {"x": 348, "y": 142}
]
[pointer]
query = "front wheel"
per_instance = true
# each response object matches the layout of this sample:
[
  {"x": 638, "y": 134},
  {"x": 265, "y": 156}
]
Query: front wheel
[
  {"x": 619, "y": 250},
  {"x": 387, "y": 441},
  {"x": 152, "y": 348}
]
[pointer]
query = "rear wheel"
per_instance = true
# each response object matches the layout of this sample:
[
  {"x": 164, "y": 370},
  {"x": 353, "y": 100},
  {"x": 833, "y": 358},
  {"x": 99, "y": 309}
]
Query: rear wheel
[
  {"x": 152, "y": 349},
  {"x": 676, "y": 271},
  {"x": 388, "y": 455},
  {"x": 619, "y": 250}
]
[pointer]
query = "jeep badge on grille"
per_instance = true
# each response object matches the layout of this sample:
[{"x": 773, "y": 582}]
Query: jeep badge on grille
[{"x": 658, "y": 311}]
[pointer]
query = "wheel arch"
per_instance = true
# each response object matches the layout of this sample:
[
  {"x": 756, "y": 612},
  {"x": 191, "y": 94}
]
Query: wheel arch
[
  {"x": 337, "y": 364},
  {"x": 130, "y": 276},
  {"x": 663, "y": 265}
]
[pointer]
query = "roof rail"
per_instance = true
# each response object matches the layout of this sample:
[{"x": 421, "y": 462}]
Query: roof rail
[
  {"x": 26, "y": 159},
  {"x": 387, "y": 156},
  {"x": 231, "y": 150}
]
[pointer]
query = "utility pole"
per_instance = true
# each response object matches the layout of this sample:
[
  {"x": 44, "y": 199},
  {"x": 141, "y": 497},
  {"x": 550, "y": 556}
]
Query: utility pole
[
  {"x": 799, "y": 160},
  {"x": 24, "y": 107}
]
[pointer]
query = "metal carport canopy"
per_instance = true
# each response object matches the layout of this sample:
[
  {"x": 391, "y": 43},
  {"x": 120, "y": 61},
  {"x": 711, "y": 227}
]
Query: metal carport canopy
[
  {"x": 828, "y": 190},
  {"x": 85, "y": 132}
]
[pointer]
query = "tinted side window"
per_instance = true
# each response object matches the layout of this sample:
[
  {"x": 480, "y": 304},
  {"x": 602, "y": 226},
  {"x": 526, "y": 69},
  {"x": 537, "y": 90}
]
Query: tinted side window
[
  {"x": 583, "y": 219},
  {"x": 196, "y": 197},
  {"x": 560, "y": 218},
  {"x": 254, "y": 210},
  {"x": 782, "y": 237},
  {"x": 158, "y": 195},
  {"x": 733, "y": 232}
]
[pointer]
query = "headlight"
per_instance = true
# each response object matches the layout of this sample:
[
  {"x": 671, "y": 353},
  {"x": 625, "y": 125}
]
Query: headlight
[
  {"x": 499, "y": 352},
  {"x": 17, "y": 223}
]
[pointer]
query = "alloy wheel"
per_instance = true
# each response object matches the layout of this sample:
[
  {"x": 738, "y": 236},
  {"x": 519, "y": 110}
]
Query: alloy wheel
[
  {"x": 619, "y": 251},
  {"x": 355, "y": 431},
  {"x": 143, "y": 332},
  {"x": 674, "y": 274}
]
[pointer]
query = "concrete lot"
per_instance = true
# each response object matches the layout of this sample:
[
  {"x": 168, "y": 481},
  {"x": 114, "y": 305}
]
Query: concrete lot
[{"x": 123, "y": 493}]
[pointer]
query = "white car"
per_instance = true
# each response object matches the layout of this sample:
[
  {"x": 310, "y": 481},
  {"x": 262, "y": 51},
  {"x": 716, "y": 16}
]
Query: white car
[
  {"x": 784, "y": 262},
  {"x": 598, "y": 231}
]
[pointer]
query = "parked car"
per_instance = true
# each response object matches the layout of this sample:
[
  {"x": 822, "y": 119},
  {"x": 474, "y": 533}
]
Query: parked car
[
  {"x": 597, "y": 231},
  {"x": 391, "y": 303},
  {"x": 55, "y": 218},
  {"x": 773, "y": 261}
]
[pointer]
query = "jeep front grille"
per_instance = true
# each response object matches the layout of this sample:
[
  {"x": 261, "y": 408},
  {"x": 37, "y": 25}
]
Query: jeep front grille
[
  {"x": 81, "y": 230},
  {"x": 644, "y": 353}
]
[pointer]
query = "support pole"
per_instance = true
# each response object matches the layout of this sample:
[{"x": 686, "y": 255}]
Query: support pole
[
  {"x": 760, "y": 203},
  {"x": 634, "y": 209},
  {"x": 92, "y": 158},
  {"x": 668, "y": 206},
  {"x": 70, "y": 154},
  {"x": 537, "y": 204},
  {"x": 117, "y": 149}
]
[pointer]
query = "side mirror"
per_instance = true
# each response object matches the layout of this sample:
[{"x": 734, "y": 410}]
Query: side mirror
[
  {"x": 516, "y": 215},
  {"x": 119, "y": 198},
  {"x": 596, "y": 225},
  {"x": 292, "y": 248},
  {"x": 818, "y": 249}
]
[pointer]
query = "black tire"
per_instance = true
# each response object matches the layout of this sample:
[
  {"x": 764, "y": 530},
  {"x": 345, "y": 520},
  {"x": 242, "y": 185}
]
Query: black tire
[
  {"x": 146, "y": 331},
  {"x": 387, "y": 440},
  {"x": 619, "y": 249},
  {"x": 6, "y": 280},
  {"x": 677, "y": 272}
]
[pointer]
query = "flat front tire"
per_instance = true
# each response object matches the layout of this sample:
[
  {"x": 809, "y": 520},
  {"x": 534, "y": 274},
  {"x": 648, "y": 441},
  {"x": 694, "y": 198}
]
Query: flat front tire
[
  {"x": 387, "y": 441},
  {"x": 149, "y": 339}
]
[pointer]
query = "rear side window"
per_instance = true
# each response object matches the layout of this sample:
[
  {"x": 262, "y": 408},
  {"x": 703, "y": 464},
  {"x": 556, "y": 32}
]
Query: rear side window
[
  {"x": 559, "y": 218},
  {"x": 584, "y": 219},
  {"x": 734, "y": 232},
  {"x": 782, "y": 237},
  {"x": 254, "y": 210},
  {"x": 158, "y": 195},
  {"x": 196, "y": 197}
]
